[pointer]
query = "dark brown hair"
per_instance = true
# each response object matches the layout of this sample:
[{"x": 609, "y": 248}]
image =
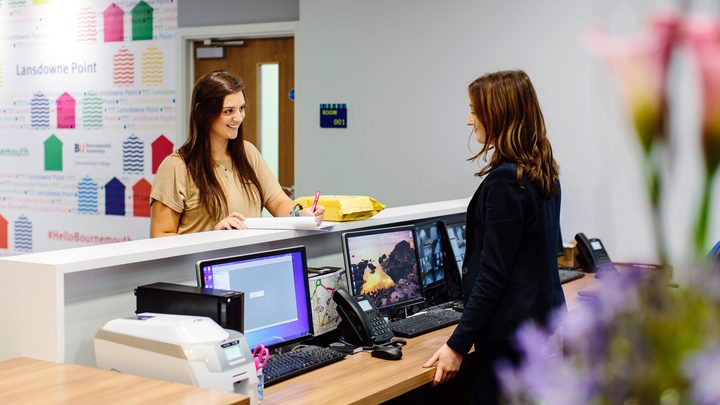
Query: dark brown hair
[
  {"x": 506, "y": 105},
  {"x": 206, "y": 105}
]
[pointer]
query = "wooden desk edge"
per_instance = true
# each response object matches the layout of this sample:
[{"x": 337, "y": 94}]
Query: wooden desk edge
[{"x": 34, "y": 378}]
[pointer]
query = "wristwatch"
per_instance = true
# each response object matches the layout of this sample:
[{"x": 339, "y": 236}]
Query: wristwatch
[{"x": 295, "y": 212}]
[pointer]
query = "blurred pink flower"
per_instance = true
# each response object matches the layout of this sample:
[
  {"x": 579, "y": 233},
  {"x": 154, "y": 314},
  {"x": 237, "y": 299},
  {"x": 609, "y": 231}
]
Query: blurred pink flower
[
  {"x": 640, "y": 65},
  {"x": 703, "y": 35}
]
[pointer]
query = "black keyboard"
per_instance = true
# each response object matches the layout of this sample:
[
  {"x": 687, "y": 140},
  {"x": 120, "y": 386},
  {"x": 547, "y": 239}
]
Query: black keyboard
[
  {"x": 301, "y": 360},
  {"x": 422, "y": 323},
  {"x": 456, "y": 305},
  {"x": 569, "y": 275}
]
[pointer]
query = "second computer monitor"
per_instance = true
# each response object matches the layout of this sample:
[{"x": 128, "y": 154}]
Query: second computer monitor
[
  {"x": 277, "y": 304},
  {"x": 382, "y": 264},
  {"x": 430, "y": 252},
  {"x": 456, "y": 238}
]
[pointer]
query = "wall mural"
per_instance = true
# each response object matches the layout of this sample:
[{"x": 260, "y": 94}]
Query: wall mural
[{"x": 87, "y": 108}]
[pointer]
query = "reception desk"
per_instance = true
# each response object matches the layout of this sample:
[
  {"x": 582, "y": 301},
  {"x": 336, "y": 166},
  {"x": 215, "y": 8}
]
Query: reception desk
[
  {"x": 53, "y": 303},
  {"x": 358, "y": 379}
]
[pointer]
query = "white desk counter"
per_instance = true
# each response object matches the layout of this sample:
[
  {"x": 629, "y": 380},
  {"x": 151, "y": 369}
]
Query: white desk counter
[{"x": 52, "y": 303}]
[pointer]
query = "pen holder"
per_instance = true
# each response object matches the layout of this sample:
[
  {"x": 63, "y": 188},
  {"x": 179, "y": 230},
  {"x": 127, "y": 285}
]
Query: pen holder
[{"x": 260, "y": 386}]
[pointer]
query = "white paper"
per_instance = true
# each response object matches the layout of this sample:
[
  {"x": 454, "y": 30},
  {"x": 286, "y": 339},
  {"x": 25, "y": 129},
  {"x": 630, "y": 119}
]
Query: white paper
[{"x": 302, "y": 223}]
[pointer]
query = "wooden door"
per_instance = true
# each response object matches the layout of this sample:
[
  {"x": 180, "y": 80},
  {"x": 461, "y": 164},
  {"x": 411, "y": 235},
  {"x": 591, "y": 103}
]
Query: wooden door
[{"x": 245, "y": 60}]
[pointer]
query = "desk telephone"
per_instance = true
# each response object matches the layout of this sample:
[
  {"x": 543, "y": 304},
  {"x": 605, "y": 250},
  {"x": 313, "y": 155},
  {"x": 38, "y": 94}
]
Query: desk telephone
[
  {"x": 361, "y": 322},
  {"x": 591, "y": 255}
]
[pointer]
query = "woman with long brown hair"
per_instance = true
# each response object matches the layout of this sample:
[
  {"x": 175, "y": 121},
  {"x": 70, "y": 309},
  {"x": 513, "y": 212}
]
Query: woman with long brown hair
[
  {"x": 216, "y": 179},
  {"x": 510, "y": 272}
]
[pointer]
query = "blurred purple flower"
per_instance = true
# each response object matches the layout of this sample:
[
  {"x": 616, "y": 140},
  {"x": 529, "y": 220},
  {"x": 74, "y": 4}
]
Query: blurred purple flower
[
  {"x": 618, "y": 293},
  {"x": 703, "y": 369},
  {"x": 545, "y": 376}
]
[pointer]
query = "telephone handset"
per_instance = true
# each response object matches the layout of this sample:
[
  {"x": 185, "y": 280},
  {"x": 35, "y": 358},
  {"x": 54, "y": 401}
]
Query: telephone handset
[
  {"x": 361, "y": 323},
  {"x": 592, "y": 256}
]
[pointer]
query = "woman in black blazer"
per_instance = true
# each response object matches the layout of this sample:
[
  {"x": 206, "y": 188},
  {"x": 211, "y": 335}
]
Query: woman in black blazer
[{"x": 510, "y": 272}]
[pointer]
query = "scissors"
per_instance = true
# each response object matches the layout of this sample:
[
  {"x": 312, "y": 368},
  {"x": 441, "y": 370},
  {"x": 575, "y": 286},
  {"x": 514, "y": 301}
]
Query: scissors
[{"x": 260, "y": 356}]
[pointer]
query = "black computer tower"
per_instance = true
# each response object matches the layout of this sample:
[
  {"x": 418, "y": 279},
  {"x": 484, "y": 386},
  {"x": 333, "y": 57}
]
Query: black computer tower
[{"x": 224, "y": 307}]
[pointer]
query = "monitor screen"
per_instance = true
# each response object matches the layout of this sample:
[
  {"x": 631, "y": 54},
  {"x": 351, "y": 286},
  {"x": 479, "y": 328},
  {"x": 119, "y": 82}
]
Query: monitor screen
[
  {"x": 456, "y": 237},
  {"x": 268, "y": 279},
  {"x": 430, "y": 253},
  {"x": 382, "y": 264}
]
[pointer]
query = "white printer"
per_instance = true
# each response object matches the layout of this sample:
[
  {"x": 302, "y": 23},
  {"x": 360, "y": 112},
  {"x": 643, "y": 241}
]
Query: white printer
[{"x": 186, "y": 349}]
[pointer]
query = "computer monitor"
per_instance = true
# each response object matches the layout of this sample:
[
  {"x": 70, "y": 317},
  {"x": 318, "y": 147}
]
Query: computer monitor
[
  {"x": 455, "y": 231},
  {"x": 441, "y": 281},
  {"x": 382, "y": 264},
  {"x": 277, "y": 303},
  {"x": 430, "y": 252}
]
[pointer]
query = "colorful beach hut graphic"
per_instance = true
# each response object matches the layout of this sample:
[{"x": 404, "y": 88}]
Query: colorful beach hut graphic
[
  {"x": 4, "y": 232},
  {"x": 142, "y": 21},
  {"x": 39, "y": 111},
  {"x": 92, "y": 111},
  {"x": 133, "y": 155},
  {"x": 114, "y": 21},
  {"x": 23, "y": 234},
  {"x": 86, "y": 25},
  {"x": 87, "y": 196},
  {"x": 123, "y": 68},
  {"x": 114, "y": 197},
  {"x": 65, "y": 111},
  {"x": 141, "y": 198},
  {"x": 53, "y": 153},
  {"x": 151, "y": 67},
  {"x": 161, "y": 147}
]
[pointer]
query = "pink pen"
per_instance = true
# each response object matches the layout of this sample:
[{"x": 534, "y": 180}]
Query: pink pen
[{"x": 317, "y": 197}]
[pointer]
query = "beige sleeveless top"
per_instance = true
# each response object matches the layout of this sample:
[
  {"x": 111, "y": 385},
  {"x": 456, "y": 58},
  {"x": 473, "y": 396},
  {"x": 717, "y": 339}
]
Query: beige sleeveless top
[{"x": 174, "y": 187}]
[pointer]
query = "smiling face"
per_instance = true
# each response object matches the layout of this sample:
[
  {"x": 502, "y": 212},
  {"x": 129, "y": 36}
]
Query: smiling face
[
  {"x": 225, "y": 126},
  {"x": 478, "y": 128}
]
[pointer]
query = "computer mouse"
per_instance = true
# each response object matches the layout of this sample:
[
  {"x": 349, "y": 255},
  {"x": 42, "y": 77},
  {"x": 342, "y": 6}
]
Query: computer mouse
[{"x": 387, "y": 353}]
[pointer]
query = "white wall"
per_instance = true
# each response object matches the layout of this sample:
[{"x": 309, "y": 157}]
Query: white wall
[
  {"x": 403, "y": 67},
  {"x": 194, "y": 13}
]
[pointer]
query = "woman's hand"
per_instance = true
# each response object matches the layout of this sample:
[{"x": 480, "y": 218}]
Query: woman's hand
[
  {"x": 319, "y": 213},
  {"x": 235, "y": 220},
  {"x": 448, "y": 364}
]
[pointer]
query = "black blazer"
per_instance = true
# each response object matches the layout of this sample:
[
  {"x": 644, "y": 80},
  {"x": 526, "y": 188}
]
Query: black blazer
[{"x": 510, "y": 272}]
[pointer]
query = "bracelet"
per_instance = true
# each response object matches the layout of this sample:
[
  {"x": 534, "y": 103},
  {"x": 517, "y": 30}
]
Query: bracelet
[{"x": 295, "y": 212}]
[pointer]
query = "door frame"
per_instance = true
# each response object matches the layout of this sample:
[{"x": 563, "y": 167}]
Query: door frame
[{"x": 186, "y": 70}]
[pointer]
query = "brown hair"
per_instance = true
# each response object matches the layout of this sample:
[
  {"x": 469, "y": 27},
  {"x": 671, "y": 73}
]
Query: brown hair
[
  {"x": 506, "y": 105},
  {"x": 206, "y": 105}
]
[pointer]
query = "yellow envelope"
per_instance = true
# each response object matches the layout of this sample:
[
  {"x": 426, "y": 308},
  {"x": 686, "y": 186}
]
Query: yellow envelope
[{"x": 344, "y": 207}]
